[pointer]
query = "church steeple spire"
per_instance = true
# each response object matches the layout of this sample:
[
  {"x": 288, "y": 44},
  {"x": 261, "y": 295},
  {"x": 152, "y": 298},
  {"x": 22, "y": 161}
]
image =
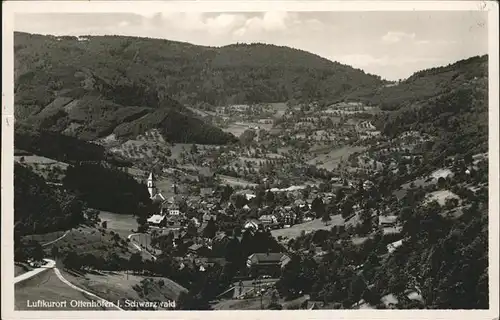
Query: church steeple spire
[{"x": 151, "y": 185}]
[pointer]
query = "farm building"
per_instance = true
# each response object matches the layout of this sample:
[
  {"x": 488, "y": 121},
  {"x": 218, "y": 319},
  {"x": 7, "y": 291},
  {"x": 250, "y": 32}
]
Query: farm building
[
  {"x": 267, "y": 263},
  {"x": 387, "y": 221}
]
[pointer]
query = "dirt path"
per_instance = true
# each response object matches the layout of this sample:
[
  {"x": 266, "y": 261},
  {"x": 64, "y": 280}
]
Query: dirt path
[{"x": 53, "y": 241}]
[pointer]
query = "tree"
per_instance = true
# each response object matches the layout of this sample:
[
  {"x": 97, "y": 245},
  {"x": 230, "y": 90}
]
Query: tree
[
  {"x": 227, "y": 191},
  {"x": 92, "y": 215},
  {"x": 135, "y": 262},
  {"x": 339, "y": 195},
  {"x": 347, "y": 208},
  {"x": 326, "y": 217},
  {"x": 356, "y": 289},
  {"x": 234, "y": 250},
  {"x": 318, "y": 207},
  {"x": 104, "y": 224},
  {"x": 54, "y": 252},
  {"x": 441, "y": 182},
  {"x": 210, "y": 230},
  {"x": 240, "y": 201},
  {"x": 72, "y": 261},
  {"x": 269, "y": 198},
  {"x": 34, "y": 250},
  {"x": 194, "y": 149},
  {"x": 247, "y": 137},
  {"x": 191, "y": 229}
]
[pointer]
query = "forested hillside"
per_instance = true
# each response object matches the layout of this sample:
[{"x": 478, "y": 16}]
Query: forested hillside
[
  {"x": 39, "y": 208},
  {"x": 426, "y": 84},
  {"x": 88, "y": 92},
  {"x": 107, "y": 188},
  {"x": 145, "y": 71},
  {"x": 448, "y": 102}
]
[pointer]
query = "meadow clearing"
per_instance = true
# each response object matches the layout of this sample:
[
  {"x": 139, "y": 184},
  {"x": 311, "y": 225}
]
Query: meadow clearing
[
  {"x": 331, "y": 157},
  {"x": 307, "y": 227},
  {"x": 123, "y": 224},
  {"x": 236, "y": 182},
  {"x": 114, "y": 286}
]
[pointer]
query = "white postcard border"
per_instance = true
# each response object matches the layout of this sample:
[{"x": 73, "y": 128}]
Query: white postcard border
[{"x": 9, "y": 9}]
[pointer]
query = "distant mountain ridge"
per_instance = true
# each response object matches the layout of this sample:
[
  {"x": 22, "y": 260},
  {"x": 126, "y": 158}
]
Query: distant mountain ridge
[
  {"x": 425, "y": 84},
  {"x": 239, "y": 73}
]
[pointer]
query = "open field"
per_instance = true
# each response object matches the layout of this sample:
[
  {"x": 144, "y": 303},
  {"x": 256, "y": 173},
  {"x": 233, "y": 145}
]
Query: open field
[
  {"x": 279, "y": 108},
  {"x": 428, "y": 180},
  {"x": 48, "y": 168},
  {"x": 295, "y": 230},
  {"x": 441, "y": 196},
  {"x": 96, "y": 241},
  {"x": 235, "y": 182},
  {"x": 46, "y": 286},
  {"x": 137, "y": 173},
  {"x": 332, "y": 158},
  {"x": 114, "y": 286},
  {"x": 123, "y": 224},
  {"x": 44, "y": 238},
  {"x": 164, "y": 185},
  {"x": 40, "y": 160},
  {"x": 19, "y": 270},
  {"x": 201, "y": 113},
  {"x": 178, "y": 148},
  {"x": 444, "y": 173},
  {"x": 238, "y": 128}
]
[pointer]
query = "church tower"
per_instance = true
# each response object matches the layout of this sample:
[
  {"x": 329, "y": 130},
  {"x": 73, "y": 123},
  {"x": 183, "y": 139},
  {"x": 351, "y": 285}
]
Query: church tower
[{"x": 151, "y": 185}]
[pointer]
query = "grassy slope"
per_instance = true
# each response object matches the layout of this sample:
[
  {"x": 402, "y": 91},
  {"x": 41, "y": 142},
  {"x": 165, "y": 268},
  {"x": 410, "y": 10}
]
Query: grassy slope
[
  {"x": 118, "y": 286},
  {"x": 46, "y": 286},
  {"x": 295, "y": 230}
]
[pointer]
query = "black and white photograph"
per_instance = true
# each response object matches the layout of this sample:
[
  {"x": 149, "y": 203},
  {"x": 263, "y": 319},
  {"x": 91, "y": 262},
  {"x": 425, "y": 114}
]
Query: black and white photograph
[{"x": 256, "y": 159}]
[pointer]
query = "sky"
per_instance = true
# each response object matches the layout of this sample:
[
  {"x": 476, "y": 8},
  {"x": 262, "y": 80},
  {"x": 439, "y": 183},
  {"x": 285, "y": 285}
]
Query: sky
[{"x": 392, "y": 45}]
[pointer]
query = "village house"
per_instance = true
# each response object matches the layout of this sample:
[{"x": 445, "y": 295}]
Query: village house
[
  {"x": 209, "y": 216},
  {"x": 289, "y": 218},
  {"x": 391, "y": 247},
  {"x": 206, "y": 192},
  {"x": 387, "y": 221},
  {"x": 368, "y": 185},
  {"x": 270, "y": 264},
  {"x": 389, "y": 225},
  {"x": 199, "y": 250},
  {"x": 252, "y": 224},
  {"x": 196, "y": 222},
  {"x": 269, "y": 220},
  {"x": 157, "y": 220},
  {"x": 173, "y": 209}
]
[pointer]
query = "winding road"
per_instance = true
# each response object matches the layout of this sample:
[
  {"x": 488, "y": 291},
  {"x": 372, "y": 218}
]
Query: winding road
[
  {"x": 25, "y": 276},
  {"x": 51, "y": 264},
  {"x": 138, "y": 247},
  {"x": 60, "y": 276}
]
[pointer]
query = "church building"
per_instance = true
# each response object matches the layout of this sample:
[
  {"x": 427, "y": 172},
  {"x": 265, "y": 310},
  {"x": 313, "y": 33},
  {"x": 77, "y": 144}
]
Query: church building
[{"x": 167, "y": 206}]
